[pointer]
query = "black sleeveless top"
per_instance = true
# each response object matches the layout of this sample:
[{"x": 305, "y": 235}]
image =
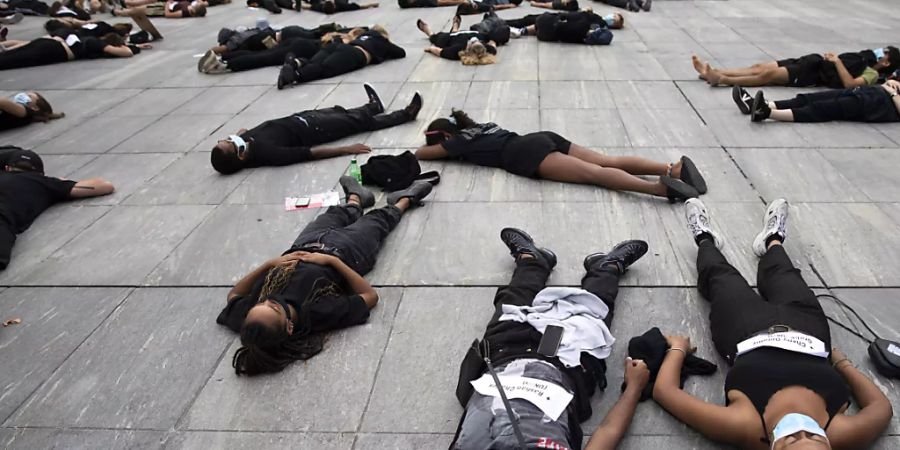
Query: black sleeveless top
[{"x": 761, "y": 373}]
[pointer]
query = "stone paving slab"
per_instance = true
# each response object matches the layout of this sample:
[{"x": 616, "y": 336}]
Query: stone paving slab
[{"x": 81, "y": 439}]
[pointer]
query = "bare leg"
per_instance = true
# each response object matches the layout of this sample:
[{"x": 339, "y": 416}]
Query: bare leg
[
  {"x": 782, "y": 115},
  {"x": 569, "y": 169},
  {"x": 634, "y": 165},
  {"x": 451, "y": 2},
  {"x": 132, "y": 3},
  {"x": 501, "y": 7},
  {"x": 755, "y": 69},
  {"x": 368, "y": 5},
  {"x": 769, "y": 77}
]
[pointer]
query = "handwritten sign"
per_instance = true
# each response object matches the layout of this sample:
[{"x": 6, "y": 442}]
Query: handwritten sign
[{"x": 550, "y": 398}]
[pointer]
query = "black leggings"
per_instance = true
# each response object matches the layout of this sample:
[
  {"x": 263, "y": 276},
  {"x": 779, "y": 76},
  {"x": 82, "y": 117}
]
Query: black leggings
[
  {"x": 333, "y": 60},
  {"x": 7, "y": 240},
  {"x": 737, "y": 312},
  {"x": 339, "y": 6},
  {"x": 294, "y": 31},
  {"x": 242, "y": 60},
  {"x": 355, "y": 238},
  {"x": 617, "y": 3},
  {"x": 39, "y": 52},
  {"x": 835, "y": 105}
]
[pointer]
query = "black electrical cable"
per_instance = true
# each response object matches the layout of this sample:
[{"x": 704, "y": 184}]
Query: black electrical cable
[{"x": 847, "y": 307}]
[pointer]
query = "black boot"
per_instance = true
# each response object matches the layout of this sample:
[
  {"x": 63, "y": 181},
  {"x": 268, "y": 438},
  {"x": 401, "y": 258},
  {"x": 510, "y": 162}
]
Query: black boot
[
  {"x": 415, "y": 193},
  {"x": 351, "y": 186},
  {"x": 373, "y": 97}
]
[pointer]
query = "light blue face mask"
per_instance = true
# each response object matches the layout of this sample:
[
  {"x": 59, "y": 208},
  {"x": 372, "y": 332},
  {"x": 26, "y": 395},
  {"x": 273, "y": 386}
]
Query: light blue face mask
[
  {"x": 879, "y": 53},
  {"x": 610, "y": 19},
  {"x": 22, "y": 98},
  {"x": 793, "y": 423}
]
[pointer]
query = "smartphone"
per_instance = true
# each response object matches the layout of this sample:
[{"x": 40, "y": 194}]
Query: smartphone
[
  {"x": 302, "y": 202},
  {"x": 551, "y": 340}
]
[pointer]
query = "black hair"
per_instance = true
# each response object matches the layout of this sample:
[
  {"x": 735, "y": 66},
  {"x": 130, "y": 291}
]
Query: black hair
[
  {"x": 265, "y": 349},
  {"x": 224, "y": 162},
  {"x": 122, "y": 29},
  {"x": 462, "y": 119},
  {"x": 893, "y": 55},
  {"x": 329, "y": 7},
  {"x": 113, "y": 39},
  {"x": 54, "y": 24}
]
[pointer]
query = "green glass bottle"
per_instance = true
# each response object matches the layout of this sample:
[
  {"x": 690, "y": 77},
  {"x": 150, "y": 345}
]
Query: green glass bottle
[{"x": 354, "y": 170}]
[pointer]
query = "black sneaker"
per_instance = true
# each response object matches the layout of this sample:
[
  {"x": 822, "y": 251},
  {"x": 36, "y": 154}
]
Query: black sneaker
[
  {"x": 373, "y": 97},
  {"x": 415, "y": 193},
  {"x": 647, "y": 5},
  {"x": 414, "y": 106},
  {"x": 742, "y": 99},
  {"x": 678, "y": 190},
  {"x": 624, "y": 254},
  {"x": 519, "y": 242},
  {"x": 633, "y": 6},
  {"x": 760, "y": 110},
  {"x": 691, "y": 175},
  {"x": 351, "y": 186}
]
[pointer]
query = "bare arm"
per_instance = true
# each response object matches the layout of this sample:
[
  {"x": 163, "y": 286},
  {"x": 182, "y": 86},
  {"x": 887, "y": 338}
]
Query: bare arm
[
  {"x": 436, "y": 151},
  {"x": 846, "y": 79},
  {"x": 10, "y": 107},
  {"x": 329, "y": 152},
  {"x": 118, "y": 51},
  {"x": 858, "y": 431},
  {"x": 92, "y": 187},
  {"x": 610, "y": 432},
  {"x": 357, "y": 283},
  {"x": 713, "y": 421},
  {"x": 245, "y": 285}
]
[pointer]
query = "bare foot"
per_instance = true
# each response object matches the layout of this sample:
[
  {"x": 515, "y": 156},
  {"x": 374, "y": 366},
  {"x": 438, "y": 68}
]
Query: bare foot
[
  {"x": 457, "y": 22},
  {"x": 712, "y": 76},
  {"x": 698, "y": 65},
  {"x": 423, "y": 27}
]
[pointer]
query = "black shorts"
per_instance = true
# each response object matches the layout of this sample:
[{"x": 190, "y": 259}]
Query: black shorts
[
  {"x": 417, "y": 3},
  {"x": 7, "y": 240},
  {"x": 523, "y": 154},
  {"x": 803, "y": 71}
]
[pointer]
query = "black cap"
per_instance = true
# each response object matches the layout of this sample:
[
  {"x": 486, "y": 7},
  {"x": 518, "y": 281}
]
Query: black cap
[{"x": 26, "y": 160}]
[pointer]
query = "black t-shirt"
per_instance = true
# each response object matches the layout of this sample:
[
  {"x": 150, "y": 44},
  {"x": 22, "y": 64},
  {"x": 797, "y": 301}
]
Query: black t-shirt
[
  {"x": 83, "y": 47},
  {"x": 97, "y": 30},
  {"x": 482, "y": 144},
  {"x": 877, "y": 104},
  {"x": 314, "y": 291},
  {"x": 9, "y": 121},
  {"x": 25, "y": 195},
  {"x": 378, "y": 47}
]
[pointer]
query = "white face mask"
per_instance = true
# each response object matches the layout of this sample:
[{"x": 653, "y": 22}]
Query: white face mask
[
  {"x": 794, "y": 423},
  {"x": 879, "y": 53},
  {"x": 239, "y": 143},
  {"x": 22, "y": 98}
]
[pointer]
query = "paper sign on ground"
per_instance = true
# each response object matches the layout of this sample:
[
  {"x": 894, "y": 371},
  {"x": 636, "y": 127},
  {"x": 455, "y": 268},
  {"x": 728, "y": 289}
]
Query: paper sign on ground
[
  {"x": 550, "y": 398},
  {"x": 325, "y": 199}
]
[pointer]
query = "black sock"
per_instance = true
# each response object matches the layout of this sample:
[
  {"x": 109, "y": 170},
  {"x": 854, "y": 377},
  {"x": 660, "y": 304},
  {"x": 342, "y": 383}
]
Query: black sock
[
  {"x": 703, "y": 237},
  {"x": 773, "y": 237}
]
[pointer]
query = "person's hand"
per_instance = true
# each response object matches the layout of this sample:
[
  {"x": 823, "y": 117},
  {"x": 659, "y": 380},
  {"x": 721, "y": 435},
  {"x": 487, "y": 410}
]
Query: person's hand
[
  {"x": 144, "y": 46},
  {"x": 892, "y": 86},
  {"x": 286, "y": 260},
  {"x": 682, "y": 342},
  {"x": 831, "y": 57},
  {"x": 321, "y": 259},
  {"x": 837, "y": 355},
  {"x": 356, "y": 149},
  {"x": 636, "y": 373}
]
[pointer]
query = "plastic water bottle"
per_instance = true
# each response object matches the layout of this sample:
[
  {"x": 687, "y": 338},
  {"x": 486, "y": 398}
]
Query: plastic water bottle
[{"x": 354, "y": 170}]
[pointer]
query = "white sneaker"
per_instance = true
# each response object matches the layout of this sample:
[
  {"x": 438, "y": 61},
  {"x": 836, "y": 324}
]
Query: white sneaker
[
  {"x": 774, "y": 223},
  {"x": 698, "y": 221},
  {"x": 515, "y": 33}
]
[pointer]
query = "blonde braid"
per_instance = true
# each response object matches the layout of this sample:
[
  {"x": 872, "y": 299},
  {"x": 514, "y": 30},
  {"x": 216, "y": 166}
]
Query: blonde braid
[{"x": 276, "y": 280}]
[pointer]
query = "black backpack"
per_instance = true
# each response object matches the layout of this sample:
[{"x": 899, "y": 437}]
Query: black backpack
[{"x": 395, "y": 172}]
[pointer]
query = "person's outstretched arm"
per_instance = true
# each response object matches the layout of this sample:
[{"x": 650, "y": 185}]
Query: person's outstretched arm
[
  {"x": 610, "y": 432},
  {"x": 92, "y": 187},
  {"x": 436, "y": 151},
  {"x": 245, "y": 284},
  {"x": 7, "y": 106},
  {"x": 713, "y": 421},
  {"x": 859, "y": 430}
]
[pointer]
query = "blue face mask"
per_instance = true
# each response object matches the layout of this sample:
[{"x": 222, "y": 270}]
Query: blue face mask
[
  {"x": 794, "y": 423},
  {"x": 22, "y": 98},
  {"x": 879, "y": 53},
  {"x": 610, "y": 19}
]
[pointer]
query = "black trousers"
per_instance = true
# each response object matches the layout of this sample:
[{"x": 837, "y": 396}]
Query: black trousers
[
  {"x": 840, "y": 104},
  {"x": 337, "y": 122},
  {"x": 294, "y": 31},
  {"x": 339, "y": 6},
  {"x": 737, "y": 312},
  {"x": 529, "y": 278},
  {"x": 348, "y": 234},
  {"x": 241, "y": 60},
  {"x": 523, "y": 21},
  {"x": 39, "y": 52},
  {"x": 332, "y": 60},
  {"x": 7, "y": 240},
  {"x": 617, "y": 3}
]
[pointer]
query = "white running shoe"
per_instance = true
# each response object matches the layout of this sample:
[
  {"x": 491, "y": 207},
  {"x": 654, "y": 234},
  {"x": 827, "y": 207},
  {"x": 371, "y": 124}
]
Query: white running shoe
[
  {"x": 774, "y": 223},
  {"x": 698, "y": 221},
  {"x": 515, "y": 33}
]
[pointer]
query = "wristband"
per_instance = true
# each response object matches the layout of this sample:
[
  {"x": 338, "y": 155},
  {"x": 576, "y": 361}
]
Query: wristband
[{"x": 678, "y": 349}]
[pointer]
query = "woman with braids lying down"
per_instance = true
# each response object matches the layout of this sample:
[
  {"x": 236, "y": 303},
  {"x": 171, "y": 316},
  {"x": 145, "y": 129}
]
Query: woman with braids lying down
[{"x": 282, "y": 307}]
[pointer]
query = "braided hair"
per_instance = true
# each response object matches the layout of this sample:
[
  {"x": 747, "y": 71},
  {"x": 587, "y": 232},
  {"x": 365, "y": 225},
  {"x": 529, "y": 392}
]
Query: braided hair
[{"x": 271, "y": 349}]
